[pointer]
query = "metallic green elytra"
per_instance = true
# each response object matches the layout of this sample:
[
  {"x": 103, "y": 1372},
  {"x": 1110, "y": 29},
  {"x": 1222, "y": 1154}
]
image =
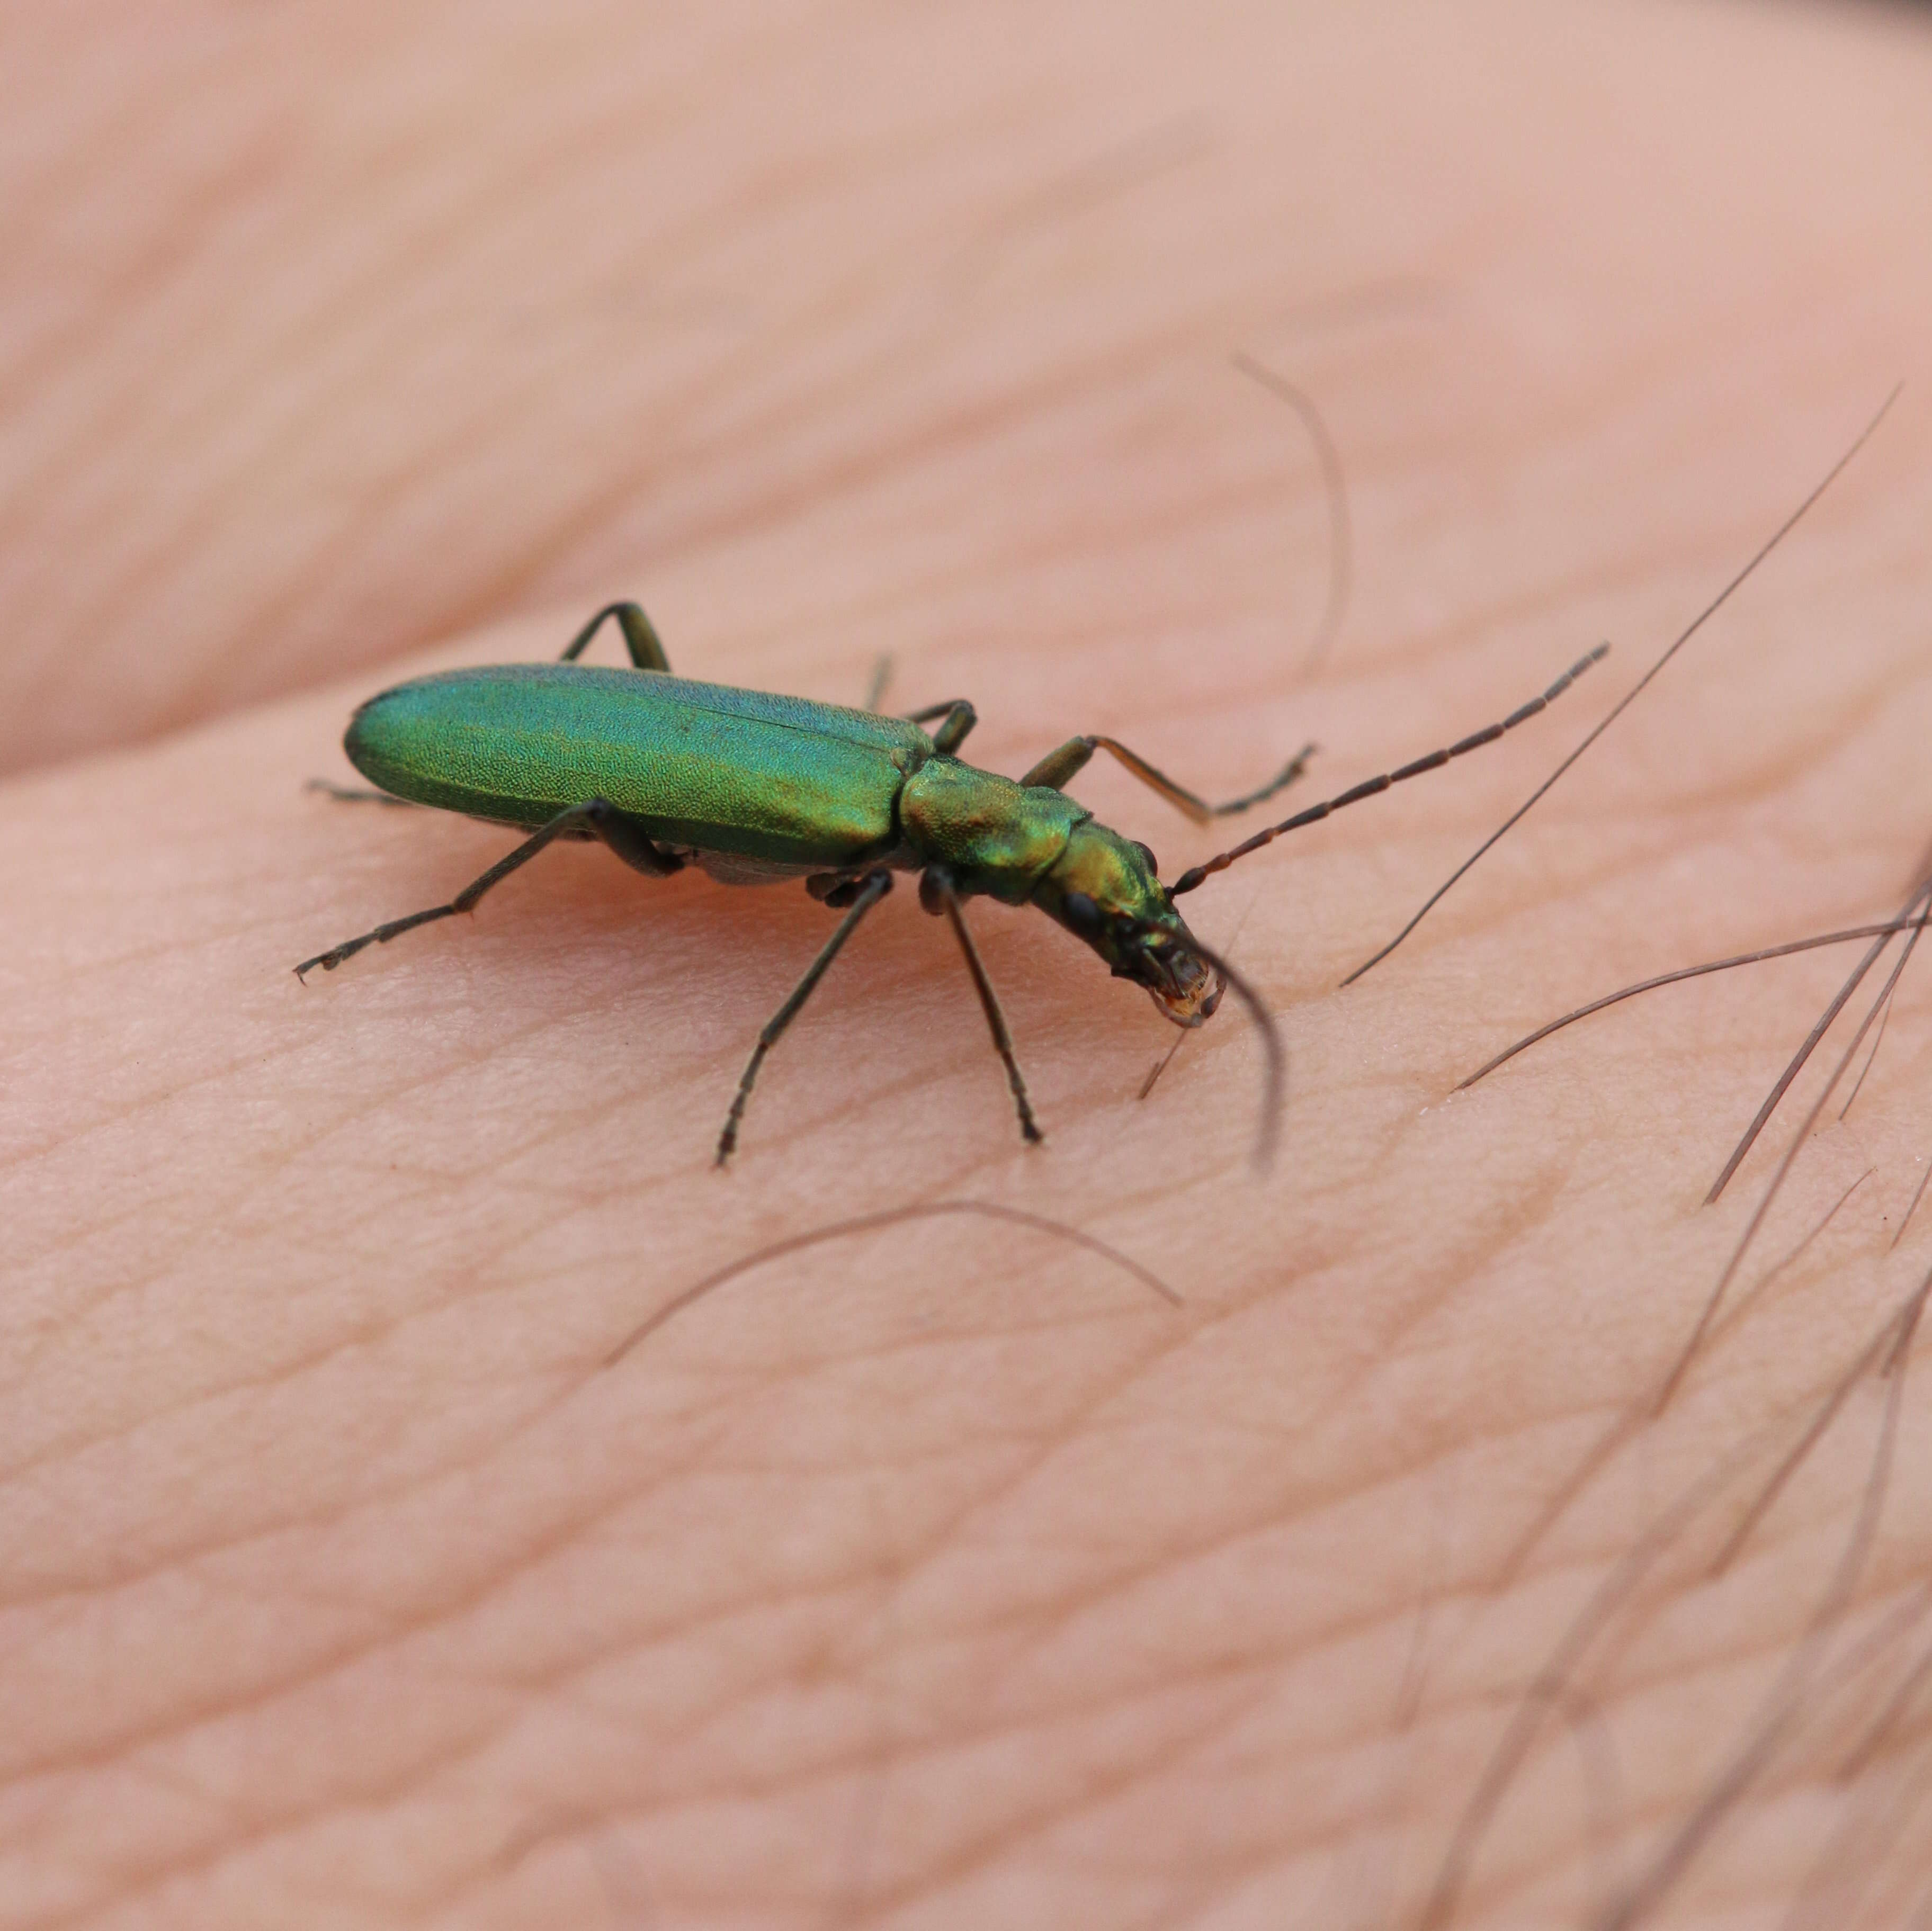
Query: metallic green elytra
[
  {"x": 697, "y": 767},
  {"x": 756, "y": 788}
]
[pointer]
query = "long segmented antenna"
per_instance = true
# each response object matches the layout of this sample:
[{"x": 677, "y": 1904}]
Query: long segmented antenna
[
  {"x": 1369, "y": 787},
  {"x": 1617, "y": 710}
]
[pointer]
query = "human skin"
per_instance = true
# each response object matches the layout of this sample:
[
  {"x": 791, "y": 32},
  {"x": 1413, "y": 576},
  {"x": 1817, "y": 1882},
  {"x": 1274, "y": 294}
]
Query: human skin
[{"x": 941, "y": 1574}]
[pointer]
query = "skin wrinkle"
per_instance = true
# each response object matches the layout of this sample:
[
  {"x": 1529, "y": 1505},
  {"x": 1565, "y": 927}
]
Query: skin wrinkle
[
  {"x": 418, "y": 250},
  {"x": 1456, "y": 1384},
  {"x": 117, "y": 595},
  {"x": 1103, "y": 1591},
  {"x": 837, "y": 472},
  {"x": 139, "y": 115},
  {"x": 363, "y": 1503},
  {"x": 1337, "y": 1632},
  {"x": 361, "y": 1337},
  {"x": 1871, "y": 1746},
  {"x": 1605, "y": 1608},
  {"x": 1667, "y": 1807},
  {"x": 93, "y": 1309},
  {"x": 1665, "y": 1871},
  {"x": 1856, "y": 1851},
  {"x": 283, "y": 1374},
  {"x": 1754, "y": 1296},
  {"x": 837, "y": 475},
  {"x": 445, "y": 1611},
  {"x": 695, "y": 1798},
  {"x": 1039, "y": 1825},
  {"x": 1533, "y": 1876},
  {"x": 1128, "y": 164},
  {"x": 971, "y": 1737},
  {"x": 426, "y": 1084},
  {"x": 52, "y": 475},
  {"x": 1097, "y": 1792}
]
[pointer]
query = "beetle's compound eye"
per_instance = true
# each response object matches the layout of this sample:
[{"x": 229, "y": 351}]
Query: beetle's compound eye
[
  {"x": 1152, "y": 863},
  {"x": 1082, "y": 914}
]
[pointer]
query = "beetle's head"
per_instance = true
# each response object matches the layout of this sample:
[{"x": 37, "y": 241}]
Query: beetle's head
[{"x": 1105, "y": 890}]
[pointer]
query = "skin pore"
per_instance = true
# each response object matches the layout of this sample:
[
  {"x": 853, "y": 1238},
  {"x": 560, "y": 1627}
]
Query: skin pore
[{"x": 939, "y": 1572}]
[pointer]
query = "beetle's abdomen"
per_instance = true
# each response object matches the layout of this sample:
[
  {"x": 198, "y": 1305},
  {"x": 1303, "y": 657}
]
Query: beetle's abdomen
[
  {"x": 998, "y": 836},
  {"x": 699, "y": 765}
]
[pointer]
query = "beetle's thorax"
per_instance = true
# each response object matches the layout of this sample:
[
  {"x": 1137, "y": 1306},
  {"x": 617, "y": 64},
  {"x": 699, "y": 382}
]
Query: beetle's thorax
[{"x": 993, "y": 837}]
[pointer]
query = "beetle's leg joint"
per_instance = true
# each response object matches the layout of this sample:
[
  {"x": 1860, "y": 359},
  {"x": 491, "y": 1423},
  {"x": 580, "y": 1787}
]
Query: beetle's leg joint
[
  {"x": 959, "y": 720},
  {"x": 838, "y": 890},
  {"x": 936, "y": 885},
  {"x": 641, "y": 636}
]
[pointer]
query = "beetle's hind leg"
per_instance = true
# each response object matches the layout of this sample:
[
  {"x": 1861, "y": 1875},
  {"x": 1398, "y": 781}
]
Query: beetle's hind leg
[
  {"x": 596, "y": 817},
  {"x": 870, "y": 890},
  {"x": 959, "y": 712},
  {"x": 959, "y": 717},
  {"x": 641, "y": 636}
]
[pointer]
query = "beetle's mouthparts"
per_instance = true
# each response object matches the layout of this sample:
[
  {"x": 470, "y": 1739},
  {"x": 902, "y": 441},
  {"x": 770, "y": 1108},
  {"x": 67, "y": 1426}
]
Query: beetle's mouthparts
[{"x": 1183, "y": 986}]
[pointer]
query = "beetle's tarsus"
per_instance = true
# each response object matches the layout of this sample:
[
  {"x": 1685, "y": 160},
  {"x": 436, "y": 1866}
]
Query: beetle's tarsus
[{"x": 1296, "y": 767}]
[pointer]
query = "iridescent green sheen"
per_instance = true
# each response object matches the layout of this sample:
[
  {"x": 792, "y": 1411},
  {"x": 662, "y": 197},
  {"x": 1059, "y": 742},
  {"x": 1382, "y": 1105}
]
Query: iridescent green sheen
[
  {"x": 996, "y": 838},
  {"x": 754, "y": 788},
  {"x": 699, "y": 766}
]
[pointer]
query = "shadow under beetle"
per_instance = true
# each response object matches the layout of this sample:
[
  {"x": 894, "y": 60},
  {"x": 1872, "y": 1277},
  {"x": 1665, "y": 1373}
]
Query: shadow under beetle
[{"x": 757, "y": 788}]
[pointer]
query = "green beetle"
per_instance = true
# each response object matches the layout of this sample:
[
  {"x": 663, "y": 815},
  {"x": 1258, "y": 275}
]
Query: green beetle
[{"x": 756, "y": 788}]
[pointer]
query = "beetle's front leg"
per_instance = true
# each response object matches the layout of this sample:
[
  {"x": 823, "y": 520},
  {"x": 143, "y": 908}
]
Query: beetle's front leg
[
  {"x": 1058, "y": 768},
  {"x": 939, "y": 893}
]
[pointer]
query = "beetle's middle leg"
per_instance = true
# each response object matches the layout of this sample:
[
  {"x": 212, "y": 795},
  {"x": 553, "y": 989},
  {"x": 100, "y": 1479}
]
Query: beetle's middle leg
[
  {"x": 937, "y": 893},
  {"x": 871, "y": 890},
  {"x": 1058, "y": 768},
  {"x": 596, "y": 817}
]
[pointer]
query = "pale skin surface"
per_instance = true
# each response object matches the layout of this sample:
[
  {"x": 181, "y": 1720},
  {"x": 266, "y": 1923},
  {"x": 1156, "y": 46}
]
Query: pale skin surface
[{"x": 944, "y": 1575}]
